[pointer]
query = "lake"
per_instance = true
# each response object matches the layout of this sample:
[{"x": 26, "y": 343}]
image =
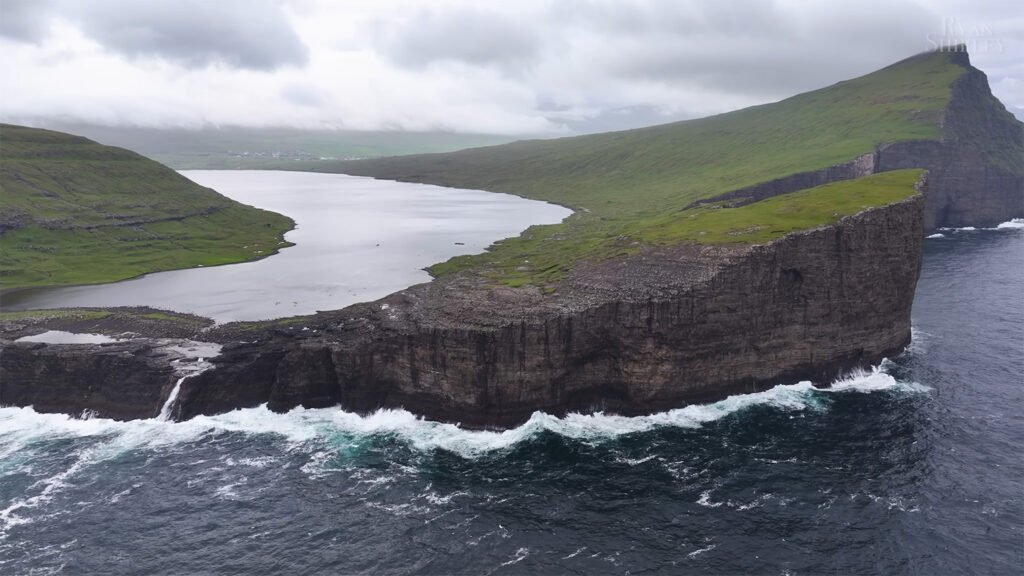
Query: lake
[{"x": 356, "y": 239}]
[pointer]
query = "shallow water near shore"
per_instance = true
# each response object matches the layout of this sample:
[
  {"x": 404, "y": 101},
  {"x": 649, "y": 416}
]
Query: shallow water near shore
[
  {"x": 356, "y": 240},
  {"x": 913, "y": 468}
]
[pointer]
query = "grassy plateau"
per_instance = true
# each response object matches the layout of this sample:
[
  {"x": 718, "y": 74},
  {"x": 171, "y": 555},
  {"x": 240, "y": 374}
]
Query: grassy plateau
[{"x": 75, "y": 212}]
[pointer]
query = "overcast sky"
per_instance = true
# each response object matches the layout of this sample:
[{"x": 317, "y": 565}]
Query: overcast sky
[{"x": 512, "y": 67}]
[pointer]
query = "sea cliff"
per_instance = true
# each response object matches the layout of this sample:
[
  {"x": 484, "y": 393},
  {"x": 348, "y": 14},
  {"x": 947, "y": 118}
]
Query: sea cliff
[
  {"x": 657, "y": 329},
  {"x": 627, "y": 306}
]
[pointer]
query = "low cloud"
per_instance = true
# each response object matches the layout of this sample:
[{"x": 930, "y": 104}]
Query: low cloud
[
  {"x": 251, "y": 34},
  {"x": 525, "y": 67},
  {"x": 24, "y": 20},
  {"x": 472, "y": 36}
]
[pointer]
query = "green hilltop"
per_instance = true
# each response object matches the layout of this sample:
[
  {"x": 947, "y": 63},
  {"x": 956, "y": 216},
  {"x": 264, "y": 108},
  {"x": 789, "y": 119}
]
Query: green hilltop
[
  {"x": 629, "y": 187},
  {"x": 76, "y": 212}
]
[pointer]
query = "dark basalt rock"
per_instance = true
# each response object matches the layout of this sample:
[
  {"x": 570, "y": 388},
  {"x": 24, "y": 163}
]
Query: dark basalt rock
[
  {"x": 976, "y": 170},
  {"x": 696, "y": 324},
  {"x": 656, "y": 330},
  {"x": 123, "y": 380}
]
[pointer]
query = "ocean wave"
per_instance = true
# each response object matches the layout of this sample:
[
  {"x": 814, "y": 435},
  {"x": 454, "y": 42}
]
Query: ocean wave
[
  {"x": 1013, "y": 223},
  {"x": 339, "y": 428}
]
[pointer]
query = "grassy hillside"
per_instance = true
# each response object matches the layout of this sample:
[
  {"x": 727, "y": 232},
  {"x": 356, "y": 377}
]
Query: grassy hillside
[
  {"x": 76, "y": 212},
  {"x": 629, "y": 186}
]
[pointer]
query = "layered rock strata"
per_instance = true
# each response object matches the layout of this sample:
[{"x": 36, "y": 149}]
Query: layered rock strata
[{"x": 666, "y": 327}]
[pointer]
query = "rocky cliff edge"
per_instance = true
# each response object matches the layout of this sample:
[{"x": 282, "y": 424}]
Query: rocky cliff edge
[{"x": 655, "y": 330}]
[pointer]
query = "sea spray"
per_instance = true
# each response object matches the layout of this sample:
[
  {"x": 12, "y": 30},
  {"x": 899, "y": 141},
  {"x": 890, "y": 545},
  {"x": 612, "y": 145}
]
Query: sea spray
[
  {"x": 336, "y": 426},
  {"x": 333, "y": 439},
  {"x": 1012, "y": 224}
]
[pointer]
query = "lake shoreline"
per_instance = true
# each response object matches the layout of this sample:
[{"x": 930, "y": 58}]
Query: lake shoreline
[{"x": 355, "y": 239}]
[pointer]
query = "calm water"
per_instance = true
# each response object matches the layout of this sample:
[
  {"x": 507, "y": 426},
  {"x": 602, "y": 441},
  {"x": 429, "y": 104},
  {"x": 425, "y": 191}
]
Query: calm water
[
  {"x": 914, "y": 469},
  {"x": 356, "y": 240}
]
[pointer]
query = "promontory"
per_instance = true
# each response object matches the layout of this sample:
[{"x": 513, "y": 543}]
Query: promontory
[{"x": 704, "y": 258}]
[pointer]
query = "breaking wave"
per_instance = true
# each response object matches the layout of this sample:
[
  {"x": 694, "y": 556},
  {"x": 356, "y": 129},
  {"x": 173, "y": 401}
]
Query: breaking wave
[
  {"x": 1013, "y": 223},
  {"x": 20, "y": 427}
]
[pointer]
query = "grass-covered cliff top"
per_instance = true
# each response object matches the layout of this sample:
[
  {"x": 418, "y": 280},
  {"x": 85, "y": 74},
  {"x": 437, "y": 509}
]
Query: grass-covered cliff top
[
  {"x": 75, "y": 212},
  {"x": 539, "y": 255},
  {"x": 630, "y": 186}
]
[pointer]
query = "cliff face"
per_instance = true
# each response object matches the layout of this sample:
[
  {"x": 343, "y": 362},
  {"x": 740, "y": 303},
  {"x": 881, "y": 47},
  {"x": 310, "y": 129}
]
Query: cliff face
[
  {"x": 123, "y": 380},
  {"x": 977, "y": 169},
  {"x": 651, "y": 331},
  {"x": 696, "y": 325}
]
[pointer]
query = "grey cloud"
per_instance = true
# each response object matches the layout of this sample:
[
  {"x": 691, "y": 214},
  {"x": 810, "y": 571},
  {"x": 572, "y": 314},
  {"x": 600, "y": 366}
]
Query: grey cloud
[
  {"x": 24, "y": 20},
  {"x": 303, "y": 95},
  {"x": 470, "y": 36},
  {"x": 671, "y": 17},
  {"x": 252, "y": 34},
  {"x": 761, "y": 51}
]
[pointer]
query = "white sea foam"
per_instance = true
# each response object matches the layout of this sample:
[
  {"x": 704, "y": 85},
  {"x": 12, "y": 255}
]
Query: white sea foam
[
  {"x": 333, "y": 429},
  {"x": 874, "y": 380},
  {"x": 936, "y": 235},
  {"x": 47, "y": 488},
  {"x": 700, "y": 551},
  {"x": 1009, "y": 224},
  {"x": 705, "y": 500},
  {"x": 1015, "y": 223},
  {"x": 521, "y": 555}
]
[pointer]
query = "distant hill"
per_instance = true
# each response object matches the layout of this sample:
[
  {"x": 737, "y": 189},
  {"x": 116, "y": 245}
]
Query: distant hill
[
  {"x": 76, "y": 212},
  {"x": 628, "y": 187},
  {"x": 233, "y": 147}
]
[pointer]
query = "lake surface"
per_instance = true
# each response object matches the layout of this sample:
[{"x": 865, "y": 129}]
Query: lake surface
[
  {"x": 913, "y": 469},
  {"x": 356, "y": 240}
]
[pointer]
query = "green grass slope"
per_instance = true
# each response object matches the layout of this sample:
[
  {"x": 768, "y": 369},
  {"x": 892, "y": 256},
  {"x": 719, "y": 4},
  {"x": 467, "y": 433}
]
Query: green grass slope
[
  {"x": 626, "y": 185},
  {"x": 75, "y": 212}
]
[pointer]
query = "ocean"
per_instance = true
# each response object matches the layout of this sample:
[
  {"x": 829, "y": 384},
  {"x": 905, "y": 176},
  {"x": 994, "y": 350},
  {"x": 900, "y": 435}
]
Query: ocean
[{"x": 914, "y": 467}]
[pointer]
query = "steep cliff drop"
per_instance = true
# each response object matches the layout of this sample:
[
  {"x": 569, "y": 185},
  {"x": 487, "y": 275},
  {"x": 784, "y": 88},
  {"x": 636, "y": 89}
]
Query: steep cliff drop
[
  {"x": 657, "y": 329},
  {"x": 625, "y": 307},
  {"x": 977, "y": 167}
]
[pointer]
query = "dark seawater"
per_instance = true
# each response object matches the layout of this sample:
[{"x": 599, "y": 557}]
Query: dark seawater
[{"x": 915, "y": 468}]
